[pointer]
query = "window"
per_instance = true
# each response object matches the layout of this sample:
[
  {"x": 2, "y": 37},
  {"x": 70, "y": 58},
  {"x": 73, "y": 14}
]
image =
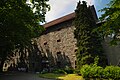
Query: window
[
  {"x": 5, "y": 65},
  {"x": 58, "y": 40},
  {"x": 59, "y": 52},
  {"x": 45, "y": 43},
  {"x": 75, "y": 50},
  {"x": 75, "y": 64}
]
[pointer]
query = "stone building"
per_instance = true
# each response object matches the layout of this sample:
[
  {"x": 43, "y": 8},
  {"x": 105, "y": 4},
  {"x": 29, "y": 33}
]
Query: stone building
[
  {"x": 58, "y": 41},
  {"x": 56, "y": 47}
]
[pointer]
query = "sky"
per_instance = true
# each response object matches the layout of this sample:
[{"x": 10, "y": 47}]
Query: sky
[{"x": 61, "y": 8}]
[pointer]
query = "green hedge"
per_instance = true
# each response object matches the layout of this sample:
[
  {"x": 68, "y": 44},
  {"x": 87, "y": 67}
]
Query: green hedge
[
  {"x": 64, "y": 71},
  {"x": 93, "y": 71},
  {"x": 59, "y": 71},
  {"x": 112, "y": 72}
]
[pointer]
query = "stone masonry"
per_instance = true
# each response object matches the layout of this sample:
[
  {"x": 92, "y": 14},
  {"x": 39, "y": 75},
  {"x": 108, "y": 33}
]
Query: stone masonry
[{"x": 60, "y": 43}]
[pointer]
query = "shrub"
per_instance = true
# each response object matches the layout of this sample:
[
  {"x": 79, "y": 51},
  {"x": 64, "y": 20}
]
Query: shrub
[
  {"x": 66, "y": 70},
  {"x": 112, "y": 72},
  {"x": 59, "y": 71},
  {"x": 85, "y": 71},
  {"x": 94, "y": 71},
  {"x": 69, "y": 70},
  {"x": 77, "y": 71},
  {"x": 91, "y": 71}
]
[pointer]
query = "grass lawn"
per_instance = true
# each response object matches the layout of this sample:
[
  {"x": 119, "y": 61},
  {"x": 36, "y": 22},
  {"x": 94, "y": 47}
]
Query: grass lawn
[
  {"x": 71, "y": 77},
  {"x": 61, "y": 76}
]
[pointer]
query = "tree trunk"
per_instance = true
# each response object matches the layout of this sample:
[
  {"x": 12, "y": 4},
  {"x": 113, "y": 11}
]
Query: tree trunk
[{"x": 1, "y": 65}]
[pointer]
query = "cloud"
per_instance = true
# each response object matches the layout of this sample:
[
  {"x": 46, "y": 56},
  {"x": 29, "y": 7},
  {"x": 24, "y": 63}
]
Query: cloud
[
  {"x": 60, "y": 8},
  {"x": 89, "y": 2}
]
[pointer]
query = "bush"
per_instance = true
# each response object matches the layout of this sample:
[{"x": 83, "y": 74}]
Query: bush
[
  {"x": 96, "y": 71},
  {"x": 85, "y": 71},
  {"x": 66, "y": 70},
  {"x": 59, "y": 71},
  {"x": 69, "y": 70},
  {"x": 77, "y": 71},
  {"x": 112, "y": 72},
  {"x": 93, "y": 71}
]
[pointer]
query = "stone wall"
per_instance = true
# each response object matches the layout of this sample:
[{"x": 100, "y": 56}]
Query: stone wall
[{"x": 59, "y": 45}]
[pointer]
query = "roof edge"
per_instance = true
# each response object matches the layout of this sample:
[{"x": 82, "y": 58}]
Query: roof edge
[
  {"x": 59, "y": 20},
  {"x": 69, "y": 17}
]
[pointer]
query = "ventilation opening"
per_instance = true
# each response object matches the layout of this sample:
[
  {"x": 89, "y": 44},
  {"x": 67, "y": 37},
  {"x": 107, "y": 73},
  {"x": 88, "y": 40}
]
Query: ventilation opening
[
  {"x": 45, "y": 43},
  {"x": 75, "y": 64},
  {"x": 59, "y": 52},
  {"x": 58, "y": 40},
  {"x": 75, "y": 50}
]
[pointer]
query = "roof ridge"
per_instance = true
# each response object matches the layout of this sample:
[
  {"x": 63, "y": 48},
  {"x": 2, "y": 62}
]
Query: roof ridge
[{"x": 59, "y": 20}]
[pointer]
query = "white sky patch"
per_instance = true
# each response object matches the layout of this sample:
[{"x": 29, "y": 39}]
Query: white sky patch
[
  {"x": 89, "y": 2},
  {"x": 58, "y": 7},
  {"x": 61, "y": 8}
]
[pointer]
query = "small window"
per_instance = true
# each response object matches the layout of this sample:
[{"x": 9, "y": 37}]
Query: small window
[
  {"x": 5, "y": 65},
  {"x": 75, "y": 64},
  {"x": 75, "y": 50},
  {"x": 58, "y": 40},
  {"x": 45, "y": 43},
  {"x": 59, "y": 52}
]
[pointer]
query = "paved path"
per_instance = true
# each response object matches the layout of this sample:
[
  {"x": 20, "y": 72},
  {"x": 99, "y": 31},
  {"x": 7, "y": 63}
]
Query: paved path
[{"x": 20, "y": 76}]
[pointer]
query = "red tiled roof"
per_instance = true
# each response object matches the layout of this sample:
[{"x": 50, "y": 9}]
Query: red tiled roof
[
  {"x": 59, "y": 20},
  {"x": 69, "y": 17}
]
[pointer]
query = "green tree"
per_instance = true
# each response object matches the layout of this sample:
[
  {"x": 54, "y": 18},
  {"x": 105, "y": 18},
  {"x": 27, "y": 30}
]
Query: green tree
[
  {"x": 88, "y": 42},
  {"x": 111, "y": 19},
  {"x": 18, "y": 25}
]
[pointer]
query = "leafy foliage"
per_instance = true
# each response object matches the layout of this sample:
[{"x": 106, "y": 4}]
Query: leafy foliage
[
  {"x": 18, "y": 25},
  {"x": 88, "y": 42},
  {"x": 111, "y": 19},
  {"x": 59, "y": 71},
  {"x": 92, "y": 71},
  {"x": 112, "y": 72},
  {"x": 66, "y": 70},
  {"x": 40, "y": 7},
  {"x": 69, "y": 70}
]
